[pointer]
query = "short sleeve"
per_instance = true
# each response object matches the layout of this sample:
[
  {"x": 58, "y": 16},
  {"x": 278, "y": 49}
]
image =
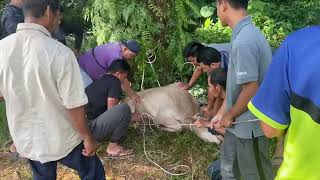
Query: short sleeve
[
  {"x": 115, "y": 89},
  {"x": 271, "y": 104},
  {"x": 246, "y": 63},
  {"x": 69, "y": 81}
]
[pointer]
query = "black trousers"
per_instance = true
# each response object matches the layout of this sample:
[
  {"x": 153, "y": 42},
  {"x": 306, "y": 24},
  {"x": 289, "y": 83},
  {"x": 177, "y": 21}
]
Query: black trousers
[{"x": 88, "y": 168}]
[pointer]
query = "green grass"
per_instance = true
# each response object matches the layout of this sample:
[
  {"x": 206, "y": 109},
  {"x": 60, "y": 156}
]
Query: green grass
[
  {"x": 4, "y": 132},
  {"x": 169, "y": 149}
]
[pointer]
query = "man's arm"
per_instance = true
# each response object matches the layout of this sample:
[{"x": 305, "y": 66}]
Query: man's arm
[
  {"x": 246, "y": 94},
  {"x": 195, "y": 76},
  {"x": 217, "y": 105},
  {"x": 78, "y": 120},
  {"x": 112, "y": 102},
  {"x": 127, "y": 88},
  {"x": 71, "y": 91},
  {"x": 222, "y": 111},
  {"x": 271, "y": 132}
]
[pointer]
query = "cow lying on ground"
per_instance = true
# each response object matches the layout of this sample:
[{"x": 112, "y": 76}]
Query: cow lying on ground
[{"x": 172, "y": 108}]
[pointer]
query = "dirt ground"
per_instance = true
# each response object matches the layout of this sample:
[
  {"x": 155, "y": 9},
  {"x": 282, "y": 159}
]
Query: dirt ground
[{"x": 126, "y": 169}]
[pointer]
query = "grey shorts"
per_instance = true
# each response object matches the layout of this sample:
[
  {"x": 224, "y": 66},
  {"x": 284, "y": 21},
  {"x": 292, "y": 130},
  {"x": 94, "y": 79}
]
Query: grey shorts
[{"x": 246, "y": 159}]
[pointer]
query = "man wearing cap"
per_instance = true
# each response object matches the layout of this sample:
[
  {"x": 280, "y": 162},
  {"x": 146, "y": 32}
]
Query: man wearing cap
[{"x": 96, "y": 61}]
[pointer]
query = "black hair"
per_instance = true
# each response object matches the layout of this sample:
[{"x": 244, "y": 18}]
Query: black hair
[
  {"x": 192, "y": 49},
  {"x": 219, "y": 77},
  {"x": 209, "y": 55},
  {"x": 119, "y": 65},
  {"x": 37, "y": 8},
  {"x": 238, "y": 4}
]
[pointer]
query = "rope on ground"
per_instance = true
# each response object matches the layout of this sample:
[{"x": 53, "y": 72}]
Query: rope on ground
[{"x": 188, "y": 169}]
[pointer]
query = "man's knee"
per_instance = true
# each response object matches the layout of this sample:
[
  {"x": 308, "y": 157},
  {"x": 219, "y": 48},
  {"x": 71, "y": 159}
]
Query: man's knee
[
  {"x": 125, "y": 111},
  {"x": 125, "y": 108}
]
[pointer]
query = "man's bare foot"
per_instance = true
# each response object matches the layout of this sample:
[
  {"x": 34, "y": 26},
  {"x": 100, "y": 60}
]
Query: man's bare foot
[{"x": 13, "y": 148}]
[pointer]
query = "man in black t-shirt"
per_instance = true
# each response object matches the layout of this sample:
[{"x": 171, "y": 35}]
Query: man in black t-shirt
[{"x": 108, "y": 119}]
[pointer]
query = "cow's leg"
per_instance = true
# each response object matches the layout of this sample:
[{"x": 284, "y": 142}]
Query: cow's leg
[{"x": 205, "y": 135}]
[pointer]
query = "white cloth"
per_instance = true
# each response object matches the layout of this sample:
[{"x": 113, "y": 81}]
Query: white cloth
[{"x": 39, "y": 79}]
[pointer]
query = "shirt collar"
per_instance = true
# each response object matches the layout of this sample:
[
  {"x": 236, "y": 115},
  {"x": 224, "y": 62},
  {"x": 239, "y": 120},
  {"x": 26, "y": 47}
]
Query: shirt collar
[
  {"x": 32, "y": 26},
  {"x": 245, "y": 21}
]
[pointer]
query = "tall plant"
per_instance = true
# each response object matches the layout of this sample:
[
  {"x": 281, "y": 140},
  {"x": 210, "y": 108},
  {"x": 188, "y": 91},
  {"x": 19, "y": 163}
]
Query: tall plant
[{"x": 163, "y": 27}]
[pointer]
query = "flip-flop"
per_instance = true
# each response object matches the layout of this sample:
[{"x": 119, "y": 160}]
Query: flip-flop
[{"x": 123, "y": 153}]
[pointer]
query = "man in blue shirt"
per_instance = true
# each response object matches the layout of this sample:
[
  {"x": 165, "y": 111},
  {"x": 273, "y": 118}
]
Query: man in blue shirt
[{"x": 288, "y": 102}]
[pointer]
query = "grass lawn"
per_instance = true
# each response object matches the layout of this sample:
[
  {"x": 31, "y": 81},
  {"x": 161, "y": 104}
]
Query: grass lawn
[
  {"x": 167, "y": 149},
  {"x": 4, "y": 132}
]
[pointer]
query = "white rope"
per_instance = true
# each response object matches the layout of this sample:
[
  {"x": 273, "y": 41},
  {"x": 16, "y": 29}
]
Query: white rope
[
  {"x": 194, "y": 66},
  {"x": 150, "y": 118},
  {"x": 142, "y": 80},
  {"x": 241, "y": 122},
  {"x": 152, "y": 57},
  {"x": 153, "y": 162}
]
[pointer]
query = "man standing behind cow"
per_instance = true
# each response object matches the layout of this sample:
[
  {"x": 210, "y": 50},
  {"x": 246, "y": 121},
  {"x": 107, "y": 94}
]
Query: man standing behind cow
[
  {"x": 45, "y": 104},
  {"x": 245, "y": 152},
  {"x": 96, "y": 61}
]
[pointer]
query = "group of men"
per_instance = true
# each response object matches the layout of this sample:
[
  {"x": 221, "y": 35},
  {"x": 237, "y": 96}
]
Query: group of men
[
  {"x": 59, "y": 106},
  {"x": 285, "y": 102}
]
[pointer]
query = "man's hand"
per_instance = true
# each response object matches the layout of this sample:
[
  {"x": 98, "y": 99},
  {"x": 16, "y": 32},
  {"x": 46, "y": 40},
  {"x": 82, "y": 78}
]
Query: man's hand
[
  {"x": 226, "y": 121},
  {"x": 90, "y": 147},
  {"x": 183, "y": 86},
  {"x": 206, "y": 112},
  {"x": 201, "y": 123},
  {"x": 136, "y": 117},
  {"x": 214, "y": 121},
  {"x": 136, "y": 98}
]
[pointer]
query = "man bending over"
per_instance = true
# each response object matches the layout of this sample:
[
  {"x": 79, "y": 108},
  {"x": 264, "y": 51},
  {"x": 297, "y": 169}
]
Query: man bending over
[{"x": 107, "y": 119}]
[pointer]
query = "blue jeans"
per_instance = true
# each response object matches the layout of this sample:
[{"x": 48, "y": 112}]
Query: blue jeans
[
  {"x": 88, "y": 168},
  {"x": 214, "y": 170}
]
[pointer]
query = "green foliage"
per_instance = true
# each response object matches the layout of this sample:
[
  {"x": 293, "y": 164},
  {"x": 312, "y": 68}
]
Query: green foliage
[{"x": 162, "y": 27}]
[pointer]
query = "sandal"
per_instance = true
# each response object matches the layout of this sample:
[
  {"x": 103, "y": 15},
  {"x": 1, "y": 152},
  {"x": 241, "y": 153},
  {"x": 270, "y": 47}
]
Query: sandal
[{"x": 123, "y": 153}]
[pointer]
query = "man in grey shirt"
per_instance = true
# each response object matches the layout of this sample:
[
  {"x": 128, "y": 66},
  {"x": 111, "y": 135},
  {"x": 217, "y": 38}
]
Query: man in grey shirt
[{"x": 244, "y": 152}]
